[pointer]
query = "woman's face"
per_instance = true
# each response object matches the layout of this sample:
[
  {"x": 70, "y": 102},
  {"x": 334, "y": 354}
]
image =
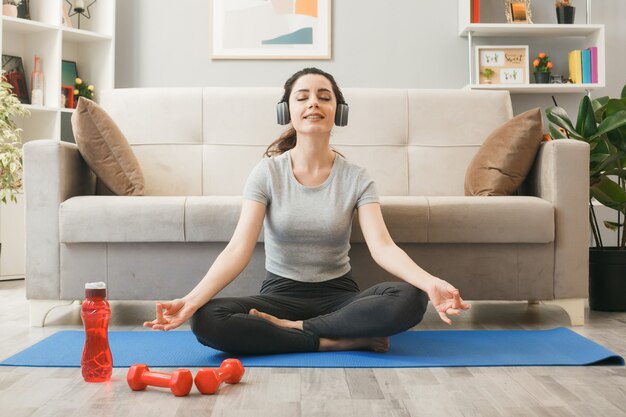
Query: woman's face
[{"x": 312, "y": 105}]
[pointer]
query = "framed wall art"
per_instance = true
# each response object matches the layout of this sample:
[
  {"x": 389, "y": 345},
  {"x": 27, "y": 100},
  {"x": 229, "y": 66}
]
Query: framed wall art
[
  {"x": 16, "y": 76},
  {"x": 502, "y": 64},
  {"x": 517, "y": 11},
  {"x": 275, "y": 29}
]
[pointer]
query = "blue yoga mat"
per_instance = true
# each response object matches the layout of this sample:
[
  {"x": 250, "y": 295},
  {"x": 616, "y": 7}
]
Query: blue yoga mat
[{"x": 413, "y": 349}]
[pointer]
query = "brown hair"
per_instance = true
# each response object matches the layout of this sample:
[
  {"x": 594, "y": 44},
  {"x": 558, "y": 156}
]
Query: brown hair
[{"x": 287, "y": 140}]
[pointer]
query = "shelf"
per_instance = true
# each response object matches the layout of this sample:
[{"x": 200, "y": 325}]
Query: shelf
[
  {"x": 34, "y": 109},
  {"x": 17, "y": 25},
  {"x": 66, "y": 110},
  {"x": 537, "y": 88},
  {"x": 79, "y": 35},
  {"x": 528, "y": 30}
]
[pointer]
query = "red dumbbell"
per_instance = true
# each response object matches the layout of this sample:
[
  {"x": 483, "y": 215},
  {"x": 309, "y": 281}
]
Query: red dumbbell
[
  {"x": 208, "y": 380},
  {"x": 179, "y": 381}
]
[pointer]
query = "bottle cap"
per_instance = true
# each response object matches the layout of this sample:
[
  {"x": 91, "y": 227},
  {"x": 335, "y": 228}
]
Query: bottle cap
[{"x": 95, "y": 289}]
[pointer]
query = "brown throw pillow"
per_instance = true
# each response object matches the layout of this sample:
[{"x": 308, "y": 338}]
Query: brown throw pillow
[
  {"x": 504, "y": 159},
  {"x": 106, "y": 150}
]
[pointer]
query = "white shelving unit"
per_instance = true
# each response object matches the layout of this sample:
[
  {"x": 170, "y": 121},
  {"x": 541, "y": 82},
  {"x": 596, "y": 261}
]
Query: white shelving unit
[
  {"x": 562, "y": 37},
  {"x": 92, "y": 47}
]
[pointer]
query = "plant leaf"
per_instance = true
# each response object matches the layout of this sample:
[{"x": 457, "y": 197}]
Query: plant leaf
[
  {"x": 559, "y": 117},
  {"x": 586, "y": 123},
  {"x": 613, "y": 226}
]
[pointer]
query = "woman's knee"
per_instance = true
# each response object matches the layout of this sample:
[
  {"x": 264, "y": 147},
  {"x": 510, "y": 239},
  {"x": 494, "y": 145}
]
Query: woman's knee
[
  {"x": 412, "y": 302},
  {"x": 207, "y": 321}
]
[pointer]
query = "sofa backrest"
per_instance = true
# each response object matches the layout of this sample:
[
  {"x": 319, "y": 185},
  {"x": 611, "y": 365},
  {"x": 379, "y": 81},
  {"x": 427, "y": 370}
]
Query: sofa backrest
[{"x": 205, "y": 141}]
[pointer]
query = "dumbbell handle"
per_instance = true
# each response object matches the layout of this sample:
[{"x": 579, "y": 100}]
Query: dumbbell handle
[{"x": 157, "y": 379}]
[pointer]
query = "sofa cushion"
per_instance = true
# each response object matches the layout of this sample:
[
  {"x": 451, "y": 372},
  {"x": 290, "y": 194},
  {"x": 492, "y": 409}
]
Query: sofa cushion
[
  {"x": 212, "y": 218},
  {"x": 505, "y": 158},
  {"x": 105, "y": 149},
  {"x": 512, "y": 219},
  {"x": 122, "y": 219}
]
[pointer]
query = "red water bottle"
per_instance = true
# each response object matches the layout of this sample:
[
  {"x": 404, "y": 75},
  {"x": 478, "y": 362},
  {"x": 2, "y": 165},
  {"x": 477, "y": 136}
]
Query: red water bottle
[{"x": 97, "y": 363}]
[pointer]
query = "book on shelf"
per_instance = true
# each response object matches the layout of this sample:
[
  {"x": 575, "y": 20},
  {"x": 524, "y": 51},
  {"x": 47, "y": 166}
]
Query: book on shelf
[
  {"x": 594, "y": 64},
  {"x": 575, "y": 67},
  {"x": 583, "y": 65},
  {"x": 585, "y": 60},
  {"x": 474, "y": 11}
]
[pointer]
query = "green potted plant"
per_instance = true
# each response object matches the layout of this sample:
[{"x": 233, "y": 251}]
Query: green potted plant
[
  {"x": 602, "y": 124},
  {"x": 10, "y": 143},
  {"x": 542, "y": 65},
  {"x": 565, "y": 12}
]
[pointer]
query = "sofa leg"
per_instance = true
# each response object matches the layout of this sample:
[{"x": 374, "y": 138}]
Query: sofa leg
[
  {"x": 574, "y": 307},
  {"x": 39, "y": 310}
]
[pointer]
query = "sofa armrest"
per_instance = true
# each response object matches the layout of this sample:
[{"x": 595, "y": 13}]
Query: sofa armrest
[
  {"x": 561, "y": 175},
  {"x": 53, "y": 172}
]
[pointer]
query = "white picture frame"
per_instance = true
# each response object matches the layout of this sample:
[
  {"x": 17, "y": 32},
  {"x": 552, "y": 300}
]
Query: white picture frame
[
  {"x": 508, "y": 64},
  {"x": 277, "y": 29}
]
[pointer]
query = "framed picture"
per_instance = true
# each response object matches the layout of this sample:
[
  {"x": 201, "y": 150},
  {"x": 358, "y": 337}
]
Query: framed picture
[
  {"x": 502, "y": 64},
  {"x": 69, "y": 72},
  {"x": 277, "y": 29},
  {"x": 23, "y": 10},
  {"x": 67, "y": 96},
  {"x": 517, "y": 11},
  {"x": 16, "y": 76}
]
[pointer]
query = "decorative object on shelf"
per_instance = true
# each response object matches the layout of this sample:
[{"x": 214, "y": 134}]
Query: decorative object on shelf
[
  {"x": 65, "y": 16},
  {"x": 565, "y": 12},
  {"x": 82, "y": 89},
  {"x": 602, "y": 124},
  {"x": 487, "y": 73},
  {"x": 475, "y": 11},
  {"x": 36, "y": 83},
  {"x": 79, "y": 8},
  {"x": 9, "y": 7},
  {"x": 299, "y": 29},
  {"x": 517, "y": 11},
  {"x": 67, "y": 96},
  {"x": 557, "y": 79},
  {"x": 69, "y": 72},
  {"x": 10, "y": 142},
  {"x": 542, "y": 65},
  {"x": 23, "y": 10},
  {"x": 509, "y": 64},
  {"x": 16, "y": 76}
]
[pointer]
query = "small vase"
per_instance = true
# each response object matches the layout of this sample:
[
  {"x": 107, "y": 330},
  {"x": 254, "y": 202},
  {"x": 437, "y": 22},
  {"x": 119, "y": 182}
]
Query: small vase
[
  {"x": 9, "y": 10},
  {"x": 542, "y": 77},
  {"x": 565, "y": 14}
]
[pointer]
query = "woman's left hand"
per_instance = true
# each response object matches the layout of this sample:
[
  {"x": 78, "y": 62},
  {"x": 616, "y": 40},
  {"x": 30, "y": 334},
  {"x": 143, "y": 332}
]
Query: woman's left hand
[{"x": 446, "y": 299}]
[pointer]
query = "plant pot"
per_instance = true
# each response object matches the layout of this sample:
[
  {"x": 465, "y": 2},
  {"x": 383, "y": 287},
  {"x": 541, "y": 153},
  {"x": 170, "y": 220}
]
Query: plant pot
[
  {"x": 607, "y": 279},
  {"x": 542, "y": 77},
  {"x": 9, "y": 10},
  {"x": 565, "y": 14}
]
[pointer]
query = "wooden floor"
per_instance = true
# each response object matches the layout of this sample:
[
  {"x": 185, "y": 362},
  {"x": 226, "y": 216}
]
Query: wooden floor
[{"x": 515, "y": 391}]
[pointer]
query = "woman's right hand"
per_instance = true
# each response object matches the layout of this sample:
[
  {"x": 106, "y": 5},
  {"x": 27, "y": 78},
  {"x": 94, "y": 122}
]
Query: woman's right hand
[{"x": 171, "y": 314}]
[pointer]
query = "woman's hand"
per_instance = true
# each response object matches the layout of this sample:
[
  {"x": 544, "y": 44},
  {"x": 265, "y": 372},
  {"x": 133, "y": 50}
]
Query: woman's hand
[
  {"x": 446, "y": 299},
  {"x": 171, "y": 314}
]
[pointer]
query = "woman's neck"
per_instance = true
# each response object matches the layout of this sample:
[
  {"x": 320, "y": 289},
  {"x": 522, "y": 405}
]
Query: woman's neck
[{"x": 312, "y": 155}]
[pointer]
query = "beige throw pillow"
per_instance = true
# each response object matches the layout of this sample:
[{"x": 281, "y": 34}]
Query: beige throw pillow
[
  {"x": 505, "y": 158},
  {"x": 106, "y": 150}
]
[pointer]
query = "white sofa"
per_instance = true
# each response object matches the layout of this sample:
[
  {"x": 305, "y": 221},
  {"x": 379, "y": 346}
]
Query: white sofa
[{"x": 196, "y": 147}]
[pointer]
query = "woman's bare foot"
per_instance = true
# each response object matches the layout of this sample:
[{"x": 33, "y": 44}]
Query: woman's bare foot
[
  {"x": 376, "y": 344},
  {"x": 290, "y": 324}
]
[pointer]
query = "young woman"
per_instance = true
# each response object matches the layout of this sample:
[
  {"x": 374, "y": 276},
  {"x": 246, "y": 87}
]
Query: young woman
[{"x": 305, "y": 194}]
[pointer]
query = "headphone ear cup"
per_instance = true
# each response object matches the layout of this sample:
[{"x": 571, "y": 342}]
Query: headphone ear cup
[
  {"x": 282, "y": 113},
  {"x": 341, "y": 115}
]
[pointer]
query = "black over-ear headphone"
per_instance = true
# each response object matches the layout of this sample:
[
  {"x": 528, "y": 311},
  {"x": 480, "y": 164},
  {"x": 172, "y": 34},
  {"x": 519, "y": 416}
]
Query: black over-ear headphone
[{"x": 283, "y": 117}]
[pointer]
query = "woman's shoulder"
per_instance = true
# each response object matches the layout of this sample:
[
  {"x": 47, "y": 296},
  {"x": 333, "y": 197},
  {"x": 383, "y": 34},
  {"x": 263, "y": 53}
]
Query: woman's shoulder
[{"x": 350, "y": 167}]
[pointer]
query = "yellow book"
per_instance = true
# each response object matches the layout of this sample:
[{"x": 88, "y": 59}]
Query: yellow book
[{"x": 575, "y": 66}]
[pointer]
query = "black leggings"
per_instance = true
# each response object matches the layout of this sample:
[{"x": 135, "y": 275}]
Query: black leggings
[{"x": 333, "y": 309}]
